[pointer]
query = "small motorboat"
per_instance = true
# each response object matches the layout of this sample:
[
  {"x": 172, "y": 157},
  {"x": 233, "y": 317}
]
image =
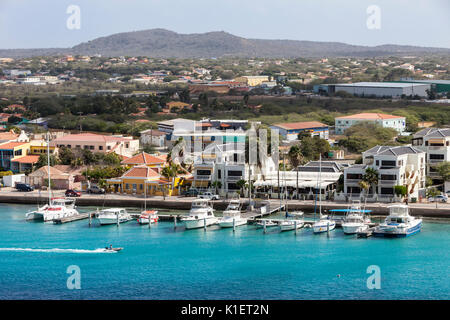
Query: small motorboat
[
  {"x": 269, "y": 224},
  {"x": 110, "y": 249},
  {"x": 149, "y": 216}
]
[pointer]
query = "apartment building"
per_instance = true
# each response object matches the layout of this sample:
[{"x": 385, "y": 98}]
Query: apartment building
[
  {"x": 385, "y": 120},
  {"x": 401, "y": 165},
  {"x": 436, "y": 143},
  {"x": 124, "y": 146}
]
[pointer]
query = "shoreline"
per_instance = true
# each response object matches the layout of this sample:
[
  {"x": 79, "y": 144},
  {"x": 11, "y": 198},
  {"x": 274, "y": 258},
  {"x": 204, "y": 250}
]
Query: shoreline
[{"x": 184, "y": 203}]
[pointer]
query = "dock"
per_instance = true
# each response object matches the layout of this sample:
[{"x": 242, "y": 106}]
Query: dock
[
  {"x": 78, "y": 217},
  {"x": 265, "y": 210}
]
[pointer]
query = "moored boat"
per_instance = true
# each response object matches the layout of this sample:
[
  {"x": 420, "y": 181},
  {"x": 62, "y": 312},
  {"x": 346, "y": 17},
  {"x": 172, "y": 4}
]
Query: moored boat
[
  {"x": 148, "y": 216},
  {"x": 232, "y": 215},
  {"x": 201, "y": 215},
  {"x": 399, "y": 223},
  {"x": 113, "y": 216}
]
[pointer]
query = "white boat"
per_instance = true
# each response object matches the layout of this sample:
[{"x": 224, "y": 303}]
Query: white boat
[
  {"x": 148, "y": 216},
  {"x": 398, "y": 223},
  {"x": 355, "y": 219},
  {"x": 269, "y": 224},
  {"x": 200, "y": 215},
  {"x": 113, "y": 215},
  {"x": 232, "y": 215},
  {"x": 57, "y": 208},
  {"x": 323, "y": 225},
  {"x": 293, "y": 221}
]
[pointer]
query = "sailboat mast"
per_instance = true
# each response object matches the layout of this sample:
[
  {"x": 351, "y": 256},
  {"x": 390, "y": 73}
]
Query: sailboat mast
[
  {"x": 319, "y": 183},
  {"x": 48, "y": 168}
]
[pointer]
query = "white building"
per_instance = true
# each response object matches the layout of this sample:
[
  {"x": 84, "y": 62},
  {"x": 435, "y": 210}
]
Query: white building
[
  {"x": 153, "y": 137},
  {"x": 381, "y": 89},
  {"x": 385, "y": 120},
  {"x": 401, "y": 165},
  {"x": 436, "y": 144}
]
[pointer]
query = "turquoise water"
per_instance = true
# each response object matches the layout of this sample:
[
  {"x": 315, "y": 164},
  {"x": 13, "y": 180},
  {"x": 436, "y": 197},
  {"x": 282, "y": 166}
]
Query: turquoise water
[{"x": 165, "y": 264}]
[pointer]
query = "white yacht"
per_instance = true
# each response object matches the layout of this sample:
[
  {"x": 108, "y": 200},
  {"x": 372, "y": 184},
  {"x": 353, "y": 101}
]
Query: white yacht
[
  {"x": 293, "y": 220},
  {"x": 324, "y": 224},
  {"x": 269, "y": 224},
  {"x": 201, "y": 213},
  {"x": 355, "y": 219},
  {"x": 112, "y": 215},
  {"x": 398, "y": 223},
  {"x": 57, "y": 208},
  {"x": 232, "y": 215}
]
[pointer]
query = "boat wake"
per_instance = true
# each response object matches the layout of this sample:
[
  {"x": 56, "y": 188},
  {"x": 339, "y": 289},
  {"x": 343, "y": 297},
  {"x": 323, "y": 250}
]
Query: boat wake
[{"x": 57, "y": 250}]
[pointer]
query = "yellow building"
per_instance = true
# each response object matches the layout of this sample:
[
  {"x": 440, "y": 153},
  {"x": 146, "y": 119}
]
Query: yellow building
[{"x": 252, "y": 81}]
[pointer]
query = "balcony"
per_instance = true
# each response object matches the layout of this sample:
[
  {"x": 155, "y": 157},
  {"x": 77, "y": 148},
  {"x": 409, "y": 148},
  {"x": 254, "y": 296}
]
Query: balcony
[
  {"x": 202, "y": 177},
  {"x": 234, "y": 178}
]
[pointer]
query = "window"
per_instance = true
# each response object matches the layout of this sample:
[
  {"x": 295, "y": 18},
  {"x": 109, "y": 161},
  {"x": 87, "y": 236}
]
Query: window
[
  {"x": 108, "y": 147},
  {"x": 91, "y": 147},
  {"x": 388, "y": 177},
  {"x": 69, "y": 146},
  {"x": 354, "y": 176},
  {"x": 134, "y": 186},
  {"x": 141, "y": 187},
  {"x": 127, "y": 186},
  {"x": 387, "y": 190},
  {"x": 127, "y": 145},
  {"x": 386, "y": 163},
  {"x": 219, "y": 174},
  {"x": 86, "y": 147},
  {"x": 377, "y": 163},
  {"x": 18, "y": 152},
  {"x": 232, "y": 186},
  {"x": 234, "y": 173},
  {"x": 204, "y": 172},
  {"x": 437, "y": 156},
  {"x": 356, "y": 190},
  {"x": 78, "y": 146},
  {"x": 100, "y": 147}
]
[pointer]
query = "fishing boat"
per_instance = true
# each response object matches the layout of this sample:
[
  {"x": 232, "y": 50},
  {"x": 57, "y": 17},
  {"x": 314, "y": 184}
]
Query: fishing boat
[
  {"x": 201, "y": 215},
  {"x": 325, "y": 224},
  {"x": 294, "y": 220},
  {"x": 148, "y": 216},
  {"x": 399, "y": 223},
  {"x": 232, "y": 215},
  {"x": 56, "y": 208},
  {"x": 113, "y": 216},
  {"x": 355, "y": 218}
]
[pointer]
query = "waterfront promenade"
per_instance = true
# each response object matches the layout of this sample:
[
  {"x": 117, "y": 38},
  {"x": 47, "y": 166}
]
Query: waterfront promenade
[{"x": 184, "y": 203}]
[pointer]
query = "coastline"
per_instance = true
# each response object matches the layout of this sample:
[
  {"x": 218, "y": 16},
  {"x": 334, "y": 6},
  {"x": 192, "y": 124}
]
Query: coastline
[{"x": 184, "y": 203}]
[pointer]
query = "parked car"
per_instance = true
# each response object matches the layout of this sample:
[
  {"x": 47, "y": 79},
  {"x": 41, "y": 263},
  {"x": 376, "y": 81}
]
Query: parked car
[
  {"x": 96, "y": 190},
  {"x": 439, "y": 198},
  {"x": 72, "y": 193},
  {"x": 24, "y": 187},
  {"x": 209, "y": 196},
  {"x": 190, "y": 193}
]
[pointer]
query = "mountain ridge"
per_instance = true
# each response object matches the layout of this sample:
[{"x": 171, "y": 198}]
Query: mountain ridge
[{"x": 162, "y": 43}]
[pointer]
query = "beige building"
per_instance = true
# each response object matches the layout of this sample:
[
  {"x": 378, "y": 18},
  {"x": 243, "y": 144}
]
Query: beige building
[
  {"x": 252, "y": 81},
  {"x": 124, "y": 146}
]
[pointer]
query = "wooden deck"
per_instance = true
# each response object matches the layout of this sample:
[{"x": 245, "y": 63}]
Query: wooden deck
[{"x": 78, "y": 217}]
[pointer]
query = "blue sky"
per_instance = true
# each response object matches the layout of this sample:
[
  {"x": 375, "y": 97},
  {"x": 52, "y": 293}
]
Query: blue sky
[{"x": 42, "y": 23}]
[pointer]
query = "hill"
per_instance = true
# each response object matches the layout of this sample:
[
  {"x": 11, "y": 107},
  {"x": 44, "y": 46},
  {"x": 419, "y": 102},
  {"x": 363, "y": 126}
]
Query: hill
[{"x": 165, "y": 43}]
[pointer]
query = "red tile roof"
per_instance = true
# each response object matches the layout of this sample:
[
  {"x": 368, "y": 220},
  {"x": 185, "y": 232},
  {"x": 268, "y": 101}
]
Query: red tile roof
[
  {"x": 370, "y": 116},
  {"x": 27, "y": 159},
  {"x": 300, "y": 125},
  {"x": 141, "y": 172},
  {"x": 92, "y": 137},
  {"x": 143, "y": 158},
  {"x": 10, "y": 145}
]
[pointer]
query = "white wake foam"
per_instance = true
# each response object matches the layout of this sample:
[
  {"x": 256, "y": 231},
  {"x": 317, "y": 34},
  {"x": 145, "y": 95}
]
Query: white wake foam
[{"x": 57, "y": 250}]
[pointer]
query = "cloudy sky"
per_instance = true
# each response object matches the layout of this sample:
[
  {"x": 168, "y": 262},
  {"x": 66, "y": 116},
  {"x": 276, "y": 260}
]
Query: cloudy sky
[{"x": 43, "y": 23}]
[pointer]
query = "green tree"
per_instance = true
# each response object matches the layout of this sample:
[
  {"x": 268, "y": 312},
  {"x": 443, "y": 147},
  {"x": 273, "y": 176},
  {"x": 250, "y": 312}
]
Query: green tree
[
  {"x": 43, "y": 161},
  {"x": 443, "y": 170},
  {"x": 401, "y": 191},
  {"x": 217, "y": 185},
  {"x": 241, "y": 184},
  {"x": 66, "y": 156},
  {"x": 371, "y": 177}
]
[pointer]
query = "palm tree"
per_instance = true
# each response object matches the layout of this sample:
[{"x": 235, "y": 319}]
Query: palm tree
[
  {"x": 217, "y": 185},
  {"x": 241, "y": 185},
  {"x": 170, "y": 172},
  {"x": 364, "y": 186},
  {"x": 371, "y": 177},
  {"x": 295, "y": 157}
]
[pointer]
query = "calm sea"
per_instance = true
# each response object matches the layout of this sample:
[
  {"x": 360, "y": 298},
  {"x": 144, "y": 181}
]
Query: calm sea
[{"x": 160, "y": 263}]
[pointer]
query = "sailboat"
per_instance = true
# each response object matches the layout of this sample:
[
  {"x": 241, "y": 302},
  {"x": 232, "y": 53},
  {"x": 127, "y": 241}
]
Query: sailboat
[
  {"x": 293, "y": 220},
  {"x": 324, "y": 224},
  {"x": 56, "y": 208},
  {"x": 147, "y": 216}
]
